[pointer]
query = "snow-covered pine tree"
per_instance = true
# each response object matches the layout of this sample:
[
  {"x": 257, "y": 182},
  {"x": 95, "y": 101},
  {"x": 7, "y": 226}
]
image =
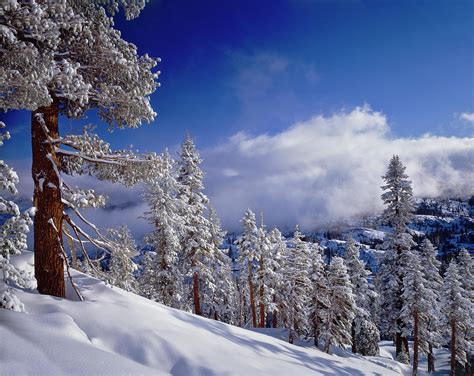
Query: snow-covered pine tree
[
  {"x": 457, "y": 316},
  {"x": 224, "y": 300},
  {"x": 465, "y": 267},
  {"x": 431, "y": 271},
  {"x": 276, "y": 282},
  {"x": 248, "y": 257},
  {"x": 342, "y": 308},
  {"x": 365, "y": 335},
  {"x": 398, "y": 198},
  {"x": 13, "y": 230},
  {"x": 318, "y": 294},
  {"x": 298, "y": 267},
  {"x": 415, "y": 311},
  {"x": 121, "y": 266},
  {"x": 51, "y": 57},
  {"x": 225, "y": 297},
  {"x": 198, "y": 249},
  {"x": 266, "y": 270},
  {"x": 162, "y": 279}
]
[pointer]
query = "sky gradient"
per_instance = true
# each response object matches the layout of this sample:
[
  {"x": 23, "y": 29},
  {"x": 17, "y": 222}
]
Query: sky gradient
[{"x": 258, "y": 68}]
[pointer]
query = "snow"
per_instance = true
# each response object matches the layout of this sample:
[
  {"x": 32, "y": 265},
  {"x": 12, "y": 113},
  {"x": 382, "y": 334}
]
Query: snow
[{"x": 115, "y": 332}]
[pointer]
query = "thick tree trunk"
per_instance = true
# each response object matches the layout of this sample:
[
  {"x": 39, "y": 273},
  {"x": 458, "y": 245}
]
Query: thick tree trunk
[
  {"x": 398, "y": 344},
  {"x": 253, "y": 307},
  {"x": 49, "y": 263},
  {"x": 197, "y": 303},
  {"x": 353, "y": 333},
  {"x": 262, "y": 308},
  {"x": 453, "y": 348},
  {"x": 431, "y": 367},
  {"x": 415, "y": 342}
]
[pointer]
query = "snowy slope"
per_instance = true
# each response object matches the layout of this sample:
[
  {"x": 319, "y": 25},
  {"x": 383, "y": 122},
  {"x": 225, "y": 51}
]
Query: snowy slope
[{"x": 118, "y": 333}]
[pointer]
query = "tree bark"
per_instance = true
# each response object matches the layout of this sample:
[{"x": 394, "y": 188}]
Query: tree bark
[
  {"x": 253, "y": 308},
  {"x": 431, "y": 366},
  {"x": 49, "y": 263},
  {"x": 453, "y": 348},
  {"x": 274, "y": 314},
  {"x": 353, "y": 333},
  {"x": 197, "y": 303},
  {"x": 415, "y": 342},
  {"x": 262, "y": 293}
]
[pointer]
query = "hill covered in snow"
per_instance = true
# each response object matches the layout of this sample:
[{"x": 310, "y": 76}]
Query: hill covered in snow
[{"x": 114, "y": 332}]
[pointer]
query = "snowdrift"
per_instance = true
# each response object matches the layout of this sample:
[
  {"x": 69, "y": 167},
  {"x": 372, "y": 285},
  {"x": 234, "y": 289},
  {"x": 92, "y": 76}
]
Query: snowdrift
[{"x": 118, "y": 333}]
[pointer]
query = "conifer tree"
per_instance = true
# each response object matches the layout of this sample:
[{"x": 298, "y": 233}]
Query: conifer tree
[
  {"x": 457, "y": 316},
  {"x": 465, "y": 267},
  {"x": 298, "y": 287},
  {"x": 398, "y": 198},
  {"x": 341, "y": 309},
  {"x": 319, "y": 294},
  {"x": 430, "y": 266},
  {"x": 415, "y": 311},
  {"x": 162, "y": 279},
  {"x": 248, "y": 257},
  {"x": 365, "y": 336},
  {"x": 13, "y": 229},
  {"x": 276, "y": 283},
  {"x": 121, "y": 265},
  {"x": 266, "y": 270},
  {"x": 198, "y": 248},
  {"x": 63, "y": 58}
]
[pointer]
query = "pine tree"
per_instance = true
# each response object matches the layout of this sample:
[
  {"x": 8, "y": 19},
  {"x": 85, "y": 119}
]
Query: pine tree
[
  {"x": 430, "y": 266},
  {"x": 365, "y": 336},
  {"x": 415, "y": 311},
  {"x": 465, "y": 267},
  {"x": 266, "y": 270},
  {"x": 162, "y": 279},
  {"x": 341, "y": 309},
  {"x": 398, "y": 198},
  {"x": 13, "y": 230},
  {"x": 319, "y": 294},
  {"x": 199, "y": 250},
  {"x": 52, "y": 55},
  {"x": 276, "y": 283},
  {"x": 457, "y": 316},
  {"x": 121, "y": 265},
  {"x": 248, "y": 257},
  {"x": 298, "y": 287}
]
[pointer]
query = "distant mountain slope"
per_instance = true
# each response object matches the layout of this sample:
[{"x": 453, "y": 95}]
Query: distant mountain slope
[{"x": 118, "y": 333}]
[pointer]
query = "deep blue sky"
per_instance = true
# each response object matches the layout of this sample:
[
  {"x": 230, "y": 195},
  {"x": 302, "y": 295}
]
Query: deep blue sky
[{"x": 259, "y": 66}]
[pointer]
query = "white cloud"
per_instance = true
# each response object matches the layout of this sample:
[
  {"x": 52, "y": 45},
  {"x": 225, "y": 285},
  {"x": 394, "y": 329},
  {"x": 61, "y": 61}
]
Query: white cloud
[
  {"x": 467, "y": 116},
  {"x": 328, "y": 168}
]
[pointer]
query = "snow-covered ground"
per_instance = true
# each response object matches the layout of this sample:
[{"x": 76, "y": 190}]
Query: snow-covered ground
[{"x": 118, "y": 333}]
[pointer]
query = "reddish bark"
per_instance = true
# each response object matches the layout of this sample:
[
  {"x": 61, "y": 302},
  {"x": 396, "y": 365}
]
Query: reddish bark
[
  {"x": 49, "y": 263},
  {"x": 252, "y": 297},
  {"x": 197, "y": 303},
  {"x": 262, "y": 293}
]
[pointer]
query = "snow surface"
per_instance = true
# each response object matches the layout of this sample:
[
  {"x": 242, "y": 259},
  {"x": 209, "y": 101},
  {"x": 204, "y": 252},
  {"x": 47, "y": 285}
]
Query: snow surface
[{"x": 119, "y": 333}]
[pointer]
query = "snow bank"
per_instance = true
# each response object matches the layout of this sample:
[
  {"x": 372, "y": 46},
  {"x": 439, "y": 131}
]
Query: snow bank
[{"x": 118, "y": 333}]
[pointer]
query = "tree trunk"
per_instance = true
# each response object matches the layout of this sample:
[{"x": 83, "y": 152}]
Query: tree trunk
[
  {"x": 49, "y": 263},
  {"x": 197, "y": 304},
  {"x": 415, "y": 342},
  {"x": 252, "y": 297},
  {"x": 453, "y": 348},
  {"x": 431, "y": 367},
  {"x": 262, "y": 308},
  {"x": 398, "y": 344},
  {"x": 353, "y": 333},
  {"x": 290, "y": 336}
]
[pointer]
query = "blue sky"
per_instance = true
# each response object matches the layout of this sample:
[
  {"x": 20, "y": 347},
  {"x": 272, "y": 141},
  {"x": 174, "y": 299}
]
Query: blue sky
[{"x": 261, "y": 66}]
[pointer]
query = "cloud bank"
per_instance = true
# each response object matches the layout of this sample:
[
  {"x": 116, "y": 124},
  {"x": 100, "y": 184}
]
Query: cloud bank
[{"x": 329, "y": 168}]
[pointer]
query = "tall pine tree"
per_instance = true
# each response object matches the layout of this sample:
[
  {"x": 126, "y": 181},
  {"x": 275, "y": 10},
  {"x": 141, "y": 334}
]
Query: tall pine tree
[{"x": 398, "y": 198}]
